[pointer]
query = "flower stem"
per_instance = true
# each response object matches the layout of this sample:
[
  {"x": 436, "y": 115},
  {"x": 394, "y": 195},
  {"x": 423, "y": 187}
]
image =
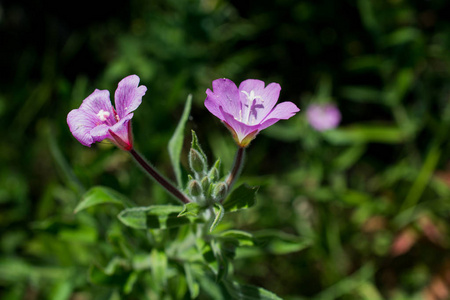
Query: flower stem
[
  {"x": 159, "y": 178},
  {"x": 238, "y": 162}
]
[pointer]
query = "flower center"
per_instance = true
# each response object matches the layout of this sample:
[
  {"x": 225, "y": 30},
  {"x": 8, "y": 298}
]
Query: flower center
[
  {"x": 248, "y": 113},
  {"x": 103, "y": 115}
]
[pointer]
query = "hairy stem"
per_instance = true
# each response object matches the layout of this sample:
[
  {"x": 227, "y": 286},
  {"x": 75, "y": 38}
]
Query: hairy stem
[{"x": 159, "y": 178}]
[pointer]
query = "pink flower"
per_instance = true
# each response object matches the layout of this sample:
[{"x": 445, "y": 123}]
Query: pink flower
[
  {"x": 323, "y": 117},
  {"x": 247, "y": 110},
  {"x": 96, "y": 119}
]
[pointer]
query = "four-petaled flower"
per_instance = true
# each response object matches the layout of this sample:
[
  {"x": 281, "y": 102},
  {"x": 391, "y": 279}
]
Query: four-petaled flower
[
  {"x": 247, "y": 110},
  {"x": 323, "y": 117},
  {"x": 96, "y": 119}
]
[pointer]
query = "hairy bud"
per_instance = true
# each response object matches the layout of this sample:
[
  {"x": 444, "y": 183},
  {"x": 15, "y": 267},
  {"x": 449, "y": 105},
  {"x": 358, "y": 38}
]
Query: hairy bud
[
  {"x": 220, "y": 191},
  {"x": 197, "y": 162},
  {"x": 194, "y": 188}
]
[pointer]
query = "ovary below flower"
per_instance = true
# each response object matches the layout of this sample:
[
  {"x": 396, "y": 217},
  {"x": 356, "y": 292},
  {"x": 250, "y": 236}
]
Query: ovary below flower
[
  {"x": 247, "y": 110},
  {"x": 96, "y": 119}
]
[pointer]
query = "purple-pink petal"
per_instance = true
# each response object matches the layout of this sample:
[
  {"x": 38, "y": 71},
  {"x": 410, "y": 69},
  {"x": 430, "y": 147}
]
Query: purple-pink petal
[
  {"x": 282, "y": 111},
  {"x": 96, "y": 119},
  {"x": 248, "y": 109},
  {"x": 128, "y": 95},
  {"x": 225, "y": 94},
  {"x": 83, "y": 120},
  {"x": 80, "y": 124}
]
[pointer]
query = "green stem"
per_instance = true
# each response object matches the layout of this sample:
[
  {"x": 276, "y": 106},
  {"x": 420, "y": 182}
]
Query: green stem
[{"x": 159, "y": 178}]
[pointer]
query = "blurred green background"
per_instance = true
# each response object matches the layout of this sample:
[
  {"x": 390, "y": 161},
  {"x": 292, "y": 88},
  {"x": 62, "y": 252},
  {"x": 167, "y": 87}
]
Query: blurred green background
[{"x": 372, "y": 196}]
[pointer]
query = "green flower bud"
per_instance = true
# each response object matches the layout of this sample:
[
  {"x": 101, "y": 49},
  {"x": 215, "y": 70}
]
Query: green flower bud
[
  {"x": 214, "y": 174},
  {"x": 194, "y": 188},
  {"x": 205, "y": 184},
  {"x": 197, "y": 162},
  {"x": 220, "y": 191}
]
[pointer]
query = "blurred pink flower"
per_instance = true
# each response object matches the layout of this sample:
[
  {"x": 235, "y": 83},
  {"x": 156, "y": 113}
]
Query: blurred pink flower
[
  {"x": 247, "y": 110},
  {"x": 323, "y": 117},
  {"x": 96, "y": 119}
]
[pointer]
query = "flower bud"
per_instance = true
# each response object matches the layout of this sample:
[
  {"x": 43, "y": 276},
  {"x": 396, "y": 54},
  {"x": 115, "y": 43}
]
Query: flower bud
[
  {"x": 194, "y": 188},
  {"x": 220, "y": 191},
  {"x": 197, "y": 162},
  {"x": 214, "y": 174},
  {"x": 205, "y": 184}
]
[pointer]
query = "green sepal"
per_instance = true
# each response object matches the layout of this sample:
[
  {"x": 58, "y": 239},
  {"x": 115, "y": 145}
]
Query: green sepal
[{"x": 196, "y": 146}]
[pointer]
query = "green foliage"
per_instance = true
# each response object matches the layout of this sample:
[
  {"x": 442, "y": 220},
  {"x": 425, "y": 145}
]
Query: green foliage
[{"x": 241, "y": 198}]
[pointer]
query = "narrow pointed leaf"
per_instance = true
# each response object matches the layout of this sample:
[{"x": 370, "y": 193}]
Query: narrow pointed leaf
[{"x": 176, "y": 142}]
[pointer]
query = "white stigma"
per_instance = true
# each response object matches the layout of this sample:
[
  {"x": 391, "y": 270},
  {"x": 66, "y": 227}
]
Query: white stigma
[
  {"x": 251, "y": 96},
  {"x": 249, "y": 119},
  {"x": 102, "y": 115}
]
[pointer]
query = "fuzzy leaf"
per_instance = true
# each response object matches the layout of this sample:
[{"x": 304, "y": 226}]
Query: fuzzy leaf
[
  {"x": 190, "y": 209},
  {"x": 176, "y": 142},
  {"x": 241, "y": 198},
  {"x": 155, "y": 216},
  {"x": 219, "y": 211}
]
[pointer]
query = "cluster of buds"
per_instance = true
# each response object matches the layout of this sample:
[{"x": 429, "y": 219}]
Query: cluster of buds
[{"x": 205, "y": 186}]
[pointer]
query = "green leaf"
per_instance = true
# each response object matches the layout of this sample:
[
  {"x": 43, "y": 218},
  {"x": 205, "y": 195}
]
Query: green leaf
[
  {"x": 241, "y": 198},
  {"x": 278, "y": 242},
  {"x": 365, "y": 134},
  {"x": 194, "y": 288},
  {"x": 240, "y": 238},
  {"x": 155, "y": 216},
  {"x": 176, "y": 142},
  {"x": 101, "y": 195},
  {"x": 129, "y": 284},
  {"x": 190, "y": 209},
  {"x": 159, "y": 267},
  {"x": 221, "y": 262},
  {"x": 248, "y": 292},
  {"x": 219, "y": 211}
]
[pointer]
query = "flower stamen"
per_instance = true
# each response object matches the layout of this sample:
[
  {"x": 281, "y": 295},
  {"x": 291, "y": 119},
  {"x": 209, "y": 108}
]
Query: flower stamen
[{"x": 103, "y": 115}]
